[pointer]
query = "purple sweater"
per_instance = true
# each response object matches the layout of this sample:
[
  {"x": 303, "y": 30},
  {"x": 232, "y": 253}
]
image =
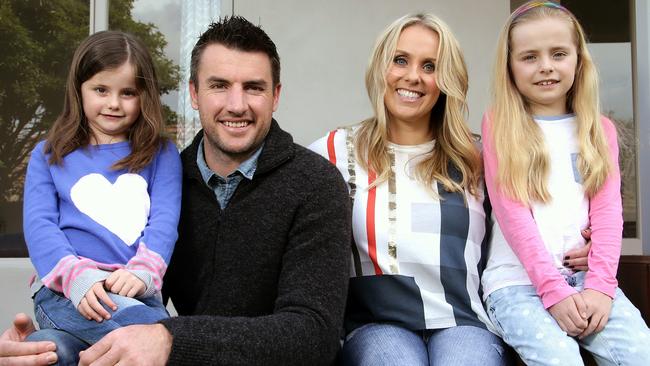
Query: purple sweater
[{"x": 82, "y": 219}]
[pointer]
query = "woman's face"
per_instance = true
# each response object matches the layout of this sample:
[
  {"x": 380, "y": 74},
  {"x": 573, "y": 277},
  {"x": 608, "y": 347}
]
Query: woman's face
[{"x": 412, "y": 90}]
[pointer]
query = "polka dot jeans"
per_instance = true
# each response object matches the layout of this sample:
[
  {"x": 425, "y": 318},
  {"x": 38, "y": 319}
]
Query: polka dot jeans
[{"x": 518, "y": 314}]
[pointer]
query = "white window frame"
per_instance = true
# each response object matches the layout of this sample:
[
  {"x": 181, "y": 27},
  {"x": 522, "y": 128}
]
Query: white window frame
[
  {"x": 641, "y": 84},
  {"x": 98, "y": 16}
]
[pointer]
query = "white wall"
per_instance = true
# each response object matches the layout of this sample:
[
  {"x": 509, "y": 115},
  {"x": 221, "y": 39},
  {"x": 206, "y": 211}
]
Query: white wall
[
  {"x": 324, "y": 47},
  {"x": 14, "y": 275}
]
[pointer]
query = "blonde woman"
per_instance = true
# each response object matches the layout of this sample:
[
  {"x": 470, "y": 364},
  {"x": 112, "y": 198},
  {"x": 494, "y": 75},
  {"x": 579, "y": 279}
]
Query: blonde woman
[
  {"x": 551, "y": 167},
  {"x": 419, "y": 223}
]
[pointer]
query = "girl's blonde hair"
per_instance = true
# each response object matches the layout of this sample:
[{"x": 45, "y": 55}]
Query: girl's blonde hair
[
  {"x": 518, "y": 141},
  {"x": 454, "y": 148},
  {"x": 108, "y": 50}
]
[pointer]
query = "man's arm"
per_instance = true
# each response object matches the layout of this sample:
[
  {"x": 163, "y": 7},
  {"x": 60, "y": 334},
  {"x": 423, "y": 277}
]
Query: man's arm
[
  {"x": 141, "y": 345},
  {"x": 15, "y": 351}
]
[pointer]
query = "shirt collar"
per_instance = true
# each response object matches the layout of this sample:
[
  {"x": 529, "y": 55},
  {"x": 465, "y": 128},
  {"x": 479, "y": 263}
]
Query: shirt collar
[{"x": 246, "y": 168}]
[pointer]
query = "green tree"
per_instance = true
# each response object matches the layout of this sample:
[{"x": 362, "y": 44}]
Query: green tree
[{"x": 37, "y": 39}]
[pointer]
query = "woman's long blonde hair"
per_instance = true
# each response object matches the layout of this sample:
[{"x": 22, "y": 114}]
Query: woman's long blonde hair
[
  {"x": 454, "y": 145},
  {"x": 518, "y": 141}
]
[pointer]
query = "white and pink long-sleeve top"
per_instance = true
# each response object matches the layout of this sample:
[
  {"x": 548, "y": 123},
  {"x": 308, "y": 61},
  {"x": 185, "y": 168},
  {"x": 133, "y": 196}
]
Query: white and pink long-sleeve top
[
  {"x": 82, "y": 219},
  {"x": 530, "y": 246}
]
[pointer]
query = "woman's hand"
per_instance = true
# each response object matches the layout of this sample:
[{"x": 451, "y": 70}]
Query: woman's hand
[{"x": 576, "y": 259}]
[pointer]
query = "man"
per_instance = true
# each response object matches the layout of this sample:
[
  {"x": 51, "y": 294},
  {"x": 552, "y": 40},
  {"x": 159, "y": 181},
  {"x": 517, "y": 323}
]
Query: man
[{"x": 259, "y": 274}]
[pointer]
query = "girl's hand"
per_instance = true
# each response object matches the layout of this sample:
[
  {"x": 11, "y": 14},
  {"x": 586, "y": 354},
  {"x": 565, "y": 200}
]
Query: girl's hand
[
  {"x": 91, "y": 308},
  {"x": 577, "y": 259},
  {"x": 599, "y": 306},
  {"x": 124, "y": 283},
  {"x": 570, "y": 314}
]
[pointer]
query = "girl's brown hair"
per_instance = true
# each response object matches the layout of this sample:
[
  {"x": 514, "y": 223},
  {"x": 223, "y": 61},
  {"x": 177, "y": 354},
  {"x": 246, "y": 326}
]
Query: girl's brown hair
[{"x": 101, "y": 51}]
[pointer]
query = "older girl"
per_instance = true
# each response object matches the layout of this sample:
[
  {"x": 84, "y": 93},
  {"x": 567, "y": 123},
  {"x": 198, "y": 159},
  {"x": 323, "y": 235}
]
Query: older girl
[{"x": 551, "y": 168}]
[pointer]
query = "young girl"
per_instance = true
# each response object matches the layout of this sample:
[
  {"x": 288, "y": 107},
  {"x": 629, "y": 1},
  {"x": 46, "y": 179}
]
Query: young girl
[
  {"x": 551, "y": 168},
  {"x": 102, "y": 198}
]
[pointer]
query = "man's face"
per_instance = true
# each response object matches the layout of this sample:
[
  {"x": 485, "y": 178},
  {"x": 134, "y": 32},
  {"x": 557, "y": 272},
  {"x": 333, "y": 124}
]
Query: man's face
[{"x": 236, "y": 99}]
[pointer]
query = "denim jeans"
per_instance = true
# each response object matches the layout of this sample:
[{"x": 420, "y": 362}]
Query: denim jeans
[
  {"x": 67, "y": 345},
  {"x": 386, "y": 344},
  {"x": 518, "y": 314},
  {"x": 56, "y": 312}
]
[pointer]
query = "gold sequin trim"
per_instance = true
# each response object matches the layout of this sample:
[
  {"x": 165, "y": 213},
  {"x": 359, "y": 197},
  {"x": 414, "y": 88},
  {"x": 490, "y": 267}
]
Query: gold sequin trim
[{"x": 392, "y": 215}]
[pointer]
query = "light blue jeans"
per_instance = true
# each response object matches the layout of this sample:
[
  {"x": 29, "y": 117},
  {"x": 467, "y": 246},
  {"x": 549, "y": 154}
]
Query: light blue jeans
[
  {"x": 518, "y": 314},
  {"x": 385, "y": 344},
  {"x": 57, "y": 317}
]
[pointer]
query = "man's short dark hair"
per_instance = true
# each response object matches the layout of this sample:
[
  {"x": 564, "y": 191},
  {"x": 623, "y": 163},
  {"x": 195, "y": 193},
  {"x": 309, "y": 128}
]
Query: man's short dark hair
[{"x": 237, "y": 33}]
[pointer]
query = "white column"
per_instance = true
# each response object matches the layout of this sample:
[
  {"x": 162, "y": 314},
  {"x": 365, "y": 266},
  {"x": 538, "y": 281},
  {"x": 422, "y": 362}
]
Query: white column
[
  {"x": 641, "y": 61},
  {"x": 98, "y": 16},
  {"x": 196, "y": 16}
]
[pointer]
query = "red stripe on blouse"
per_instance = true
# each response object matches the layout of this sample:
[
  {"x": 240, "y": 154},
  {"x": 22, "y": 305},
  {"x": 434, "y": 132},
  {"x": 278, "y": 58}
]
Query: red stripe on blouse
[
  {"x": 370, "y": 222},
  {"x": 331, "y": 153}
]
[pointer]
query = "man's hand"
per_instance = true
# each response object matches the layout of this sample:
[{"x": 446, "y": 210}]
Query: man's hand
[
  {"x": 576, "y": 259},
  {"x": 570, "y": 314},
  {"x": 146, "y": 345},
  {"x": 14, "y": 351},
  {"x": 125, "y": 283},
  {"x": 91, "y": 308},
  {"x": 599, "y": 306}
]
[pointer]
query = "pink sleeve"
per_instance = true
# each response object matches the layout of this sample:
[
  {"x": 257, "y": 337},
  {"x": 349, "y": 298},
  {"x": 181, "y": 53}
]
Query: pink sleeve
[
  {"x": 606, "y": 221},
  {"x": 520, "y": 231}
]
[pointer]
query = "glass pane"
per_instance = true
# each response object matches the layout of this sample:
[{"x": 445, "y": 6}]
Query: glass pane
[
  {"x": 37, "y": 39},
  {"x": 608, "y": 29},
  {"x": 157, "y": 24},
  {"x": 615, "y": 67}
]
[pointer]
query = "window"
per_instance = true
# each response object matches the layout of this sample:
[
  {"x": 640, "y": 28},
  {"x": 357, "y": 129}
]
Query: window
[
  {"x": 37, "y": 39},
  {"x": 157, "y": 24}
]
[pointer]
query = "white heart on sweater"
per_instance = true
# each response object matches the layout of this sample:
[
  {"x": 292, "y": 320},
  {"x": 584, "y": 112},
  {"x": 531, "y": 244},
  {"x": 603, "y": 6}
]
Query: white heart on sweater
[{"x": 121, "y": 207}]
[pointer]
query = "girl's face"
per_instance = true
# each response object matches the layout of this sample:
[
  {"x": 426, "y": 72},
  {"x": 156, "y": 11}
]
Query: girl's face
[
  {"x": 412, "y": 90},
  {"x": 543, "y": 60},
  {"x": 111, "y": 104}
]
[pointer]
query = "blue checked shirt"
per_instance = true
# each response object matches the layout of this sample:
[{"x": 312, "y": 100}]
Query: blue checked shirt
[{"x": 225, "y": 187}]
